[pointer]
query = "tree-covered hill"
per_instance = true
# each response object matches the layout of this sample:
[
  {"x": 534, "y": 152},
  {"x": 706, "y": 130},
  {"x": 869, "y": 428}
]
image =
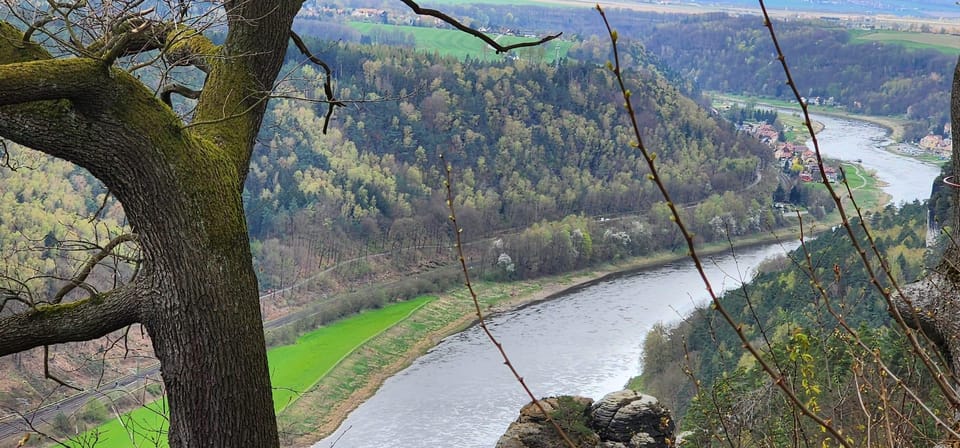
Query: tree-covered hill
[
  {"x": 733, "y": 54},
  {"x": 527, "y": 142}
]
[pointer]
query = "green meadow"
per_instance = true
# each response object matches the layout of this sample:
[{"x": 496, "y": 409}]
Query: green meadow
[
  {"x": 944, "y": 43},
  {"x": 293, "y": 368},
  {"x": 449, "y": 42}
]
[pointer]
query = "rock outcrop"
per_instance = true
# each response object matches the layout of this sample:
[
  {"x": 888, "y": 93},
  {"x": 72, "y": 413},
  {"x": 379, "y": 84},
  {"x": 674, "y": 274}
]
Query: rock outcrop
[{"x": 624, "y": 419}]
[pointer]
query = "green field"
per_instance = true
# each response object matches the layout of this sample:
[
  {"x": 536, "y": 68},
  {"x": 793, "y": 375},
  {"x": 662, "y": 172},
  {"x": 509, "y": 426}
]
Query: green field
[
  {"x": 449, "y": 42},
  {"x": 944, "y": 43},
  {"x": 295, "y": 367},
  {"x": 864, "y": 185}
]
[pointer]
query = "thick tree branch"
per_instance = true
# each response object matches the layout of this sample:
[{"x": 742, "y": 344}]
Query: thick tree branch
[
  {"x": 480, "y": 35},
  {"x": 185, "y": 46},
  {"x": 77, "y": 79},
  {"x": 81, "y": 110},
  {"x": 69, "y": 322},
  {"x": 239, "y": 82},
  {"x": 168, "y": 90}
]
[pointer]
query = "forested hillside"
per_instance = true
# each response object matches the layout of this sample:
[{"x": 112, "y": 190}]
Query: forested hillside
[
  {"x": 700, "y": 368},
  {"x": 527, "y": 142},
  {"x": 733, "y": 54}
]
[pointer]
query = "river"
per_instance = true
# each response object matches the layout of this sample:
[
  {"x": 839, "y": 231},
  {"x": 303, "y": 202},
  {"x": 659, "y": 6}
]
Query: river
[
  {"x": 906, "y": 179},
  {"x": 586, "y": 342}
]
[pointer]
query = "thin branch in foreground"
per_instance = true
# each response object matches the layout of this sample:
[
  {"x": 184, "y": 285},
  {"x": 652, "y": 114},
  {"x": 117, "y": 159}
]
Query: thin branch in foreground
[
  {"x": 457, "y": 230},
  {"x": 948, "y": 391},
  {"x": 84, "y": 271},
  {"x": 327, "y": 83},
  {"x": 649, "y": 157},
  {"x": 48, "y": 375}
]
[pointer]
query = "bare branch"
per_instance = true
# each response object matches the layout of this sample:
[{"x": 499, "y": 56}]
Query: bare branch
[
  {"x": 649, "y": 157},
  {"x": 34, "y": 27},
  {"x": 85, "y": 270},
  {"x": 458, "y": 231},
  {"x": 466, "y": 29},
  {"x": 48, "y": 375},
  {"x": 327, "y": 83},
  {"x": 5, "y": 160},
  {"x": 11, "y": 296}
]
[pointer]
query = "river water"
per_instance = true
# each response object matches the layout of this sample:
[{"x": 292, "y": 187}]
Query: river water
[
  {"x": 907, "y": 179},
  {"x": 586, "y": 342}
]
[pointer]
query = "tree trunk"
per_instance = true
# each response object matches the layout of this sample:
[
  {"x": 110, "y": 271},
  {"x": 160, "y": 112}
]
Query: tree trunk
[{"x": 206, "y": 328}]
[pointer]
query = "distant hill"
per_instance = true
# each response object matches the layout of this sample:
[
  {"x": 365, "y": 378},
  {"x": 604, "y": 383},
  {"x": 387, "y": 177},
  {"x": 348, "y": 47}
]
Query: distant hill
[{"x": 924, "y": 8}]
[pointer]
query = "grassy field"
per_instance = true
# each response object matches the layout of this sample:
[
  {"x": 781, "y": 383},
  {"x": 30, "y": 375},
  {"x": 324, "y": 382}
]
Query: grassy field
[
  {"x": 944, "y": 43},
  {"x": 295, "y": 367},
  {"x": 449, "y": 42},
  {"x": 867, "y": 190},
  {"x": 796, "y": 131}
]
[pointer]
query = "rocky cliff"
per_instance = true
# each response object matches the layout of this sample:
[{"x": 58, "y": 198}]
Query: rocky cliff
[{"x": 624, "y": 419}]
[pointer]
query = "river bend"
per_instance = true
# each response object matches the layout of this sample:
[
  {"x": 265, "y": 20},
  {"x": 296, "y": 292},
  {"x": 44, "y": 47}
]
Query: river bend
[{"x": 587, "y": 342}]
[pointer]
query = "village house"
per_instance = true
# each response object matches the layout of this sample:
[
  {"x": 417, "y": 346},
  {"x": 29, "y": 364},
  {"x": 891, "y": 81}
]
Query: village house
[
  {"x": 937, "y": 144},
  {"x": 762, "y": 131}
]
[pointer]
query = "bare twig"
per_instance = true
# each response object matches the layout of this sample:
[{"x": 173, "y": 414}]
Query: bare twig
[
  {"x": 457, "y": 230},
  {"x": 46, "y": 370},
  {"x": 328, "y": 78},
  {"x": 81, "y": 276},
  {"x": 649, "y": 157}
]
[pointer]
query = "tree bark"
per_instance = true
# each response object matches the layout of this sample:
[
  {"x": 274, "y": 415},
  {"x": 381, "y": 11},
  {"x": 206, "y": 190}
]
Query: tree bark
[{"x": 180, "y": 187}]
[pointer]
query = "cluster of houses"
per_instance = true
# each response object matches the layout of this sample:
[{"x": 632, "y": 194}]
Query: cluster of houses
[
  {"x": 793, "y": 158},
  {"x": 941, "y": 145}
]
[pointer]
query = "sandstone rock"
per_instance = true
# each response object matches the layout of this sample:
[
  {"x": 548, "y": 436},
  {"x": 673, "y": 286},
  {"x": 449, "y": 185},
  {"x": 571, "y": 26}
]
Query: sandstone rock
[
  {"x": 634, "y": 419},
  {"x": 623, "y": 419},
  {"x": 532, "y": 430}
]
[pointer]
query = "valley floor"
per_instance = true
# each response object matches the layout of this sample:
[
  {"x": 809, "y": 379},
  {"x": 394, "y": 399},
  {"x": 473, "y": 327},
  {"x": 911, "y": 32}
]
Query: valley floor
[{"x": 319, "y": 411}]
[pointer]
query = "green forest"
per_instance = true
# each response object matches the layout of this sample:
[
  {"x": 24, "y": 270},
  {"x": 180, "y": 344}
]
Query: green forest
[
  {"x": 731, "y": 54},
  {"x": 530, "y": 144},
  {"x": 714, "y": 386}
]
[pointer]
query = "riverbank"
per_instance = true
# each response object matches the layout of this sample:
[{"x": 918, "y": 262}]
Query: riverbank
[
  {"x": 319, "y": 411},
  {"x": 895, "y": 126}
]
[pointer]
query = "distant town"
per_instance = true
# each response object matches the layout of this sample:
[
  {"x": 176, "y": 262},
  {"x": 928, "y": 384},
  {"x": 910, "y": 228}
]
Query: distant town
[{"x": 794, "y": 158}]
